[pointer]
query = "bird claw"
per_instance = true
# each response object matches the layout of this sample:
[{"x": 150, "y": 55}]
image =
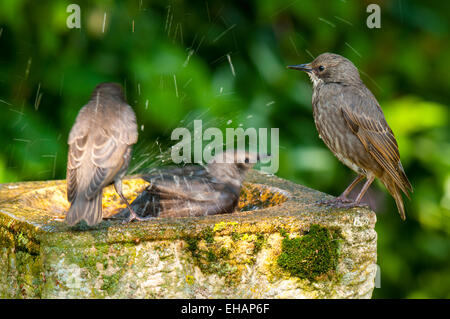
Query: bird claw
[
  {"x": 133, "y": 216},
  {"x": 127, "y": 217}
]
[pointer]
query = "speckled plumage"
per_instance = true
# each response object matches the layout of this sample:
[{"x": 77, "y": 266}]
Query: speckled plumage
[
  {"x": 194, "y": 190},
  {"x": 100, "y": 144},
  {"x": 351, "y": 123}
]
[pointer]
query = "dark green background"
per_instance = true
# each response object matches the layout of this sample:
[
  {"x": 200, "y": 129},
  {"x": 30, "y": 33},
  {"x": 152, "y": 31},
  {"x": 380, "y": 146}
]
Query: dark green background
[{"x": 176, "y": 58}]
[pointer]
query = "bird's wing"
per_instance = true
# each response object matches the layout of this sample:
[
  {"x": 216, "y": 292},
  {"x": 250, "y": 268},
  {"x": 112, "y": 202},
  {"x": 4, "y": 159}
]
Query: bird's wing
[
  {"x": 184, "y": 191},
  {"x": 179, "y": 184},
  {"x": 75, "y": 157},
  {"x": 366, "y": 120},
  {"x": 78, "y": 143},
  {"x": 199, "y": 201},
  {"x": 107, "y": 156},
  {"x": 122, "y": 122},
  {"x": 177, "y": 208}
]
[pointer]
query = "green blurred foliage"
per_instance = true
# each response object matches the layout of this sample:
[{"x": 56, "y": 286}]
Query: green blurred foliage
[{"x": 174, "y": 60}]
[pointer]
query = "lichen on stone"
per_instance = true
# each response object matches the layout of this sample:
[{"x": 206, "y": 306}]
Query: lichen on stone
[
  {"x": 224, "y": 255},
  {"x": 255, "y": 196},
  {"x": 258, "y": 243}
]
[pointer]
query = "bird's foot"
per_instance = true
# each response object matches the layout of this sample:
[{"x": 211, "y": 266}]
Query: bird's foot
[
  {"x": 127, "y": 217},
  {"x": 340, "y": 202},
  {"x": 133, "y": 216}
]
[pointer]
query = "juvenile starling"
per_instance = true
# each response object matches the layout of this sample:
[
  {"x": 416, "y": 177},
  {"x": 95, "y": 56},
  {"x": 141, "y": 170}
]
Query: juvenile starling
[
  {"x": 100, "y": 145},
  {"x": 351, "y": 123},
  {"x": 195, "y": 190}
]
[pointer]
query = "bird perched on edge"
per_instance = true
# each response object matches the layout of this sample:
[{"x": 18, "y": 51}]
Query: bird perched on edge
[
  {"x": 195, "y": 190},
  {"x": 100, "y": 144},
  {"x": 351, "y": 123}
]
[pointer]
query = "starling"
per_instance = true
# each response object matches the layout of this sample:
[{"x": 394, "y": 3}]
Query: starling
[
  {"x": 194, "y": 190},
  {"x": 351, "y": 123},
  {"x": 100, "y": 144}
]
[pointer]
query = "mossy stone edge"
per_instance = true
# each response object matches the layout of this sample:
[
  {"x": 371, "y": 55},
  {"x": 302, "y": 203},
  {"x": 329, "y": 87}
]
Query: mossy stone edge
[{"x": 224, "y": 256}]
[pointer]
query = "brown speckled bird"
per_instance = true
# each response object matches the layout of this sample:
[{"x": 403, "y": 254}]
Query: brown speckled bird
[
  {"x": 100, "y": 145},
  {"x": 194, "y": 190},
  {"x": 351, "y": 123}
]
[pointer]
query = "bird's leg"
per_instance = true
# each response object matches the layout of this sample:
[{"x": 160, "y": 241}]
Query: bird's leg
[
  {"x": 133, "y": 215},
  {"x": 343, "y": 197},
  {"x": 345, "y": 203},
  {"x": 364, "y": 189}
]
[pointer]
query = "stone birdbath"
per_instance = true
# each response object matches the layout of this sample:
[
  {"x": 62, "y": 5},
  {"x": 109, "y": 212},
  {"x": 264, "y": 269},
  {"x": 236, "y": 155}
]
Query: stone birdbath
[{"x": 280, "y": 244}]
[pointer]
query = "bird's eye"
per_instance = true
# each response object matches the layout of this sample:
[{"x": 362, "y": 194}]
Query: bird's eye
[
  {"x": 321, "y": 68},
  {"x": 247, "y": 160}
]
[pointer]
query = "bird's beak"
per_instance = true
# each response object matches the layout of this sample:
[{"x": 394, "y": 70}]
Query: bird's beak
[{"x": 302, "y": 67}]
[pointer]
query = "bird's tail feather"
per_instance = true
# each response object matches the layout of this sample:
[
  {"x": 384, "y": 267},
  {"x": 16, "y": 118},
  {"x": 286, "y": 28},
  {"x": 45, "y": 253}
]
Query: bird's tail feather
[
  {"x": 89, "y": 210},
  {"x": 394, "y": 190}
]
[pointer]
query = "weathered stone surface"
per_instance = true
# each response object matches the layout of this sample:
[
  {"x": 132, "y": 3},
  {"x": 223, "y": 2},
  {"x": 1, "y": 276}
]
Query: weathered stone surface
[{"x": 294, "y": 249}]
